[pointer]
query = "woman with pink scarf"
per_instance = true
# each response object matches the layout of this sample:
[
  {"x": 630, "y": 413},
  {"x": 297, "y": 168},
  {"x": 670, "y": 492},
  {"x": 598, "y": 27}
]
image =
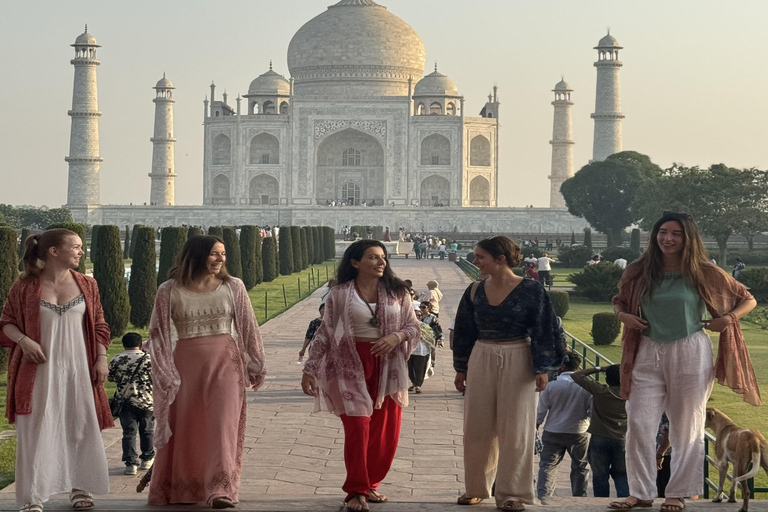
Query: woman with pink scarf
[
  {"x": 358, "y": 365},
  {"x": 206, "y": 351}
]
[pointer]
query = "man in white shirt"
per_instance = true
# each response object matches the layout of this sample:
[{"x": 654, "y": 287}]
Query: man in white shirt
[
  {"x": 545, "y": 267},
  {"x": 621, "y": 263}
]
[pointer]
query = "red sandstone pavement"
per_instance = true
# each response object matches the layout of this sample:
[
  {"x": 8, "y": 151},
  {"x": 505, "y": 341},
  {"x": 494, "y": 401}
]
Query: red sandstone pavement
[{"x": 293, "y": 459}]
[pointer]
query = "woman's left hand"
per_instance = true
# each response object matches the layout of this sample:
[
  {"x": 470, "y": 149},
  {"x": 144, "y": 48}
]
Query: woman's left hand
[
  {"x": 100, "y": 371},
  {"x": 385, "y": 345},
  {"x": 718, "y": 324},
  {"x": 541, "y": 381}
]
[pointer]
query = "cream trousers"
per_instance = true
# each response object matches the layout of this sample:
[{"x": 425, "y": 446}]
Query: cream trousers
[
  {"x": 677, "y": 378},
  {"x": 500, "y": 422}
]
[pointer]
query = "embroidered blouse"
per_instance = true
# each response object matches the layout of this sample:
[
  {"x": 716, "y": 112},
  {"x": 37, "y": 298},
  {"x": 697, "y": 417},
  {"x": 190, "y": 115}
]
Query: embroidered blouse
[
  {"x": 201, "y": 314},
  {"x": 525, "y": 312}
]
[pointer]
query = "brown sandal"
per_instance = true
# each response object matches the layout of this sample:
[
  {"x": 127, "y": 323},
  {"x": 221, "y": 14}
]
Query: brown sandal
[
  {"x": 513, "y": 506},
  {"x": 671, "y": 507},
  {"x": 468, "y": 500},
  {"x": 625, "y": 505}
]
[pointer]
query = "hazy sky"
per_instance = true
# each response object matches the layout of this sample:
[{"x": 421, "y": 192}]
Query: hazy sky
[{"x": 692, "y": 85}]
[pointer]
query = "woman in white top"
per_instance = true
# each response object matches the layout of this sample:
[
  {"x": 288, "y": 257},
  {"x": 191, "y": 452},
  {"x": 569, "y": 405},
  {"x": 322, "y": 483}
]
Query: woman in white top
[
  {"x": 206, "y": 351},
  {"x": 433, "y": 295}
]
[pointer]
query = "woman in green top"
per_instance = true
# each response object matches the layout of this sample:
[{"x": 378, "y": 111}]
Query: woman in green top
[{"x": 667, "y": 359}]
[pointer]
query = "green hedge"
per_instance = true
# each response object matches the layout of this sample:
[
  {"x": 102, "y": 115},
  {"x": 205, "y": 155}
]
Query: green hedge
[
  {"x": 317, "y": 244},
  {"x": 575, "y": 256},
  {"x": 588, "y": 238},
  {"x": 216, "y": 231},
  {"x": 605, "y": 328},
  {"x": 305, "y": 248},
  {"x": 598, "y": 283},
  {"x": 269, "y": 262},
  {"x": 756, "y": 279},
  {"x": 109, "y": 272},
  {"x": 94, "y": 242},
  {"x": 172, "y": 239},
  {"x": 330, "y": 242},
  {"x": 560, "y": 302},
  {"x": 250, "y": 253},
  {"x": 143, "y": 284},
  {"x": 127, "y": 243},
  {"x": 135, "y": 230},
  {"x": 80, "y": 230},
  {"x": 634, "y": 240},
  {"x": 25, "y": 233},
  {"x": 298, "y": 258},
  {"x": 232, "y": 246},
  {"x": 285, "y": 241},
  {"x": 9, "y": 260},
  {"x": 194, "y": 231},
  {"x": 754, "y": 257},
  {"x": 617, "y": 252}
]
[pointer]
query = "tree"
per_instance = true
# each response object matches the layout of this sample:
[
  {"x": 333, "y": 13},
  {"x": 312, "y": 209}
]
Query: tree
[
  {"x": 634, "y": 241},
  {"x": 588, "y": 238},
  {"x": 573, "y": 238},
  {"x": 25, "y": 232},
  {"x": 306, "y": 247},
  {"x": 318, "y": 245},
  {"x": 249, "y": 239},
  {"x": 298, "y": 258},
  {"x": 605, "y": 193},
  {"x": 143, "y": 284},
  {"x": 752, "y": 222},
  {"x": 232, "y": 246},
  {"x": 194, "y": 231},
  {"x": 216, "y": 231},
  {"x": 330, "y": 243},
  {"x": 109, "y": 272},
  {"x": 127, "y": 243},
  {"x": 286, "y": 251},
  {"x": 268, "y": 260},
  {"x": 9, "y": 260},
  {"x": 715, "y": 197},
  {"x": 172, "y": 239},
  {"x": 80, "y": 230},
  {"x": 94, "y": 242},
  {"x": 133, "y": 239},
  {"x": 610, "y": 242}
]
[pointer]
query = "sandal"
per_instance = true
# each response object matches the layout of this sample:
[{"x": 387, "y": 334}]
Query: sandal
[
  {"x": 626, "y": 505},
  {"x": 671, "y": 507},
  {"x": 361, "y": 500},
  {"x": 376, "y": 497},
  {"x": 468, "y": 500},
  {"x": 32, "y": 507},
  {"x": 513, "y": 506},
  {"x": 81, "y": 500},
  {"x": 222, "y": 502},
  {"x": 417, "y": 390}
]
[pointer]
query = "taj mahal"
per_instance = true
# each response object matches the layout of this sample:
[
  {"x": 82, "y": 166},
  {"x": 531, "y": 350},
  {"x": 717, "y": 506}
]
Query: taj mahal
[{"x": 357, "y": 123}]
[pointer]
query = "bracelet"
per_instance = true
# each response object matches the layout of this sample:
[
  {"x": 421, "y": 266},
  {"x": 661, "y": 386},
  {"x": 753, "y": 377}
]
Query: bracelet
[
  {"x": 733, "y": 317},
  {"x": 22, "y": 337}
]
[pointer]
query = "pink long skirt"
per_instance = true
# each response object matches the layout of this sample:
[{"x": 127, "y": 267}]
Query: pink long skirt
[{"x": 203, "y": 459}]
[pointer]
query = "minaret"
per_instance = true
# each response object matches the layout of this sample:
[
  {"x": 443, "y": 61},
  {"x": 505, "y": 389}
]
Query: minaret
[
  {"x": 607, "y": 114},
  {"x": 162, "y": 193},
  {"x": 562, "y": 145},
  {"x": 84, "y": 160}
]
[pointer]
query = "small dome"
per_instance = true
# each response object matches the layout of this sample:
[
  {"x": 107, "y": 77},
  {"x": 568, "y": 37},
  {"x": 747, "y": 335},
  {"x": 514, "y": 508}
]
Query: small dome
[
  {"x": 85, "y": 39},
  {"x": 164, "y": 83},
  {"x": 435, "y": 84},
  {"x": 562, "y": 85},
  {"x": 608, "y": 42},
  {"x": 270, "y": 84}
]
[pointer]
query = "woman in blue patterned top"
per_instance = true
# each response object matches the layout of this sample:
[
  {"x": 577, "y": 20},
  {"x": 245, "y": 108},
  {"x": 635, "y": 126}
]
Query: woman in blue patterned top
[{"x": 506, "y": 340}]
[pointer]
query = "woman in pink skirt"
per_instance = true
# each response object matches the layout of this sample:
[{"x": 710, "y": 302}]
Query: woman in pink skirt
[{"x": 206, "y": 351}]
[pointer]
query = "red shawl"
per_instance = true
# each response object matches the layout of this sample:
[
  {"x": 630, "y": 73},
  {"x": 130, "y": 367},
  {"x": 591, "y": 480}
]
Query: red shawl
[
  {"x": 22, "y": 309},
  {"x": 733, "y": 367}
]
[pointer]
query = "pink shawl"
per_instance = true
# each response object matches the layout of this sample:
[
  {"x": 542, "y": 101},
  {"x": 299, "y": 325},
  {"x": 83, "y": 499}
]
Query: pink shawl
[
  {"x": 333, "y": 359},
  {"x": 162, "y": 341},
  {"x": 733, "y": 367}
]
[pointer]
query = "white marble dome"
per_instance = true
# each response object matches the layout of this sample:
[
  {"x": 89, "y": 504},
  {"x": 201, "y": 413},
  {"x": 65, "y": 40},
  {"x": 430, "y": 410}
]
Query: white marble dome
[
  {"x": 270, "y": 84},
  {"x": 562, "y": 85},
  {"x": 85, "y": 39},
  {"x": 355, "y": 48},
  {"x": 164, "y": 83},
  {"x": 608, "y": 42},
  {"x": 435, "y": 84}
]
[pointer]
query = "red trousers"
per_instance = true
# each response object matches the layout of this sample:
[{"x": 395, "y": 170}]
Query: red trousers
[{"x": 370, "y": 442}]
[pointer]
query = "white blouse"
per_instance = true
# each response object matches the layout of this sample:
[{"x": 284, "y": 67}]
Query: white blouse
[
  {"x": 201, "y": 314},
  {"x": 361, "y": 319}
]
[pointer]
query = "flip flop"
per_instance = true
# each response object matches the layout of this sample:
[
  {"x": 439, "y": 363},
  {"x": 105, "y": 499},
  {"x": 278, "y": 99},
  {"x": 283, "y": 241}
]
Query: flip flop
[
  {"x": 624, "y": 505},
  {"x": 376, "y": 497}
]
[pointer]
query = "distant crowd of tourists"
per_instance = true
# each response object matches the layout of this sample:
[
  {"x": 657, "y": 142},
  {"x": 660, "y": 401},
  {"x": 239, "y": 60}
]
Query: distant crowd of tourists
[{"x": 183, "y": 390}]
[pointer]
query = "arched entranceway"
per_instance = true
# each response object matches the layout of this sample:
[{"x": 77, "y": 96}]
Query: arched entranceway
[
  {"x": 350, "y": 157},
  {"x": 435, "y": 191},
  {"x": 264, "y": 189}
]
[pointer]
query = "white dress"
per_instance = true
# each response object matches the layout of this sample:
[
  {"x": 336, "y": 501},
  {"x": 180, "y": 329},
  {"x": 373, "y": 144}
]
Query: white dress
[{"x": 59, "y": 445}]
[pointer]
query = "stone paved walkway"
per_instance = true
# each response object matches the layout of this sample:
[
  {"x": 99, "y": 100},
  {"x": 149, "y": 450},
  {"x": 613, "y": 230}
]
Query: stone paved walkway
[{"x": 293, "y": 459}]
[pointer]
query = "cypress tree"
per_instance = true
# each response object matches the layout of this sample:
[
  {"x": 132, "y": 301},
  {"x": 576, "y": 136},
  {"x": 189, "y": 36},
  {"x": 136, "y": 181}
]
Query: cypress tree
[
  {"x": 611, "y": 241},
  {"x": 588, "y": 238},
  {"x": 143, "y": 285},
  {"x": 216, "y": 231},
  {"x": 250, "y": 253},
  {"x": 194, "y": 231},
  {"x": 330, "y": 243},
  {"x": 306, "y": 247},
  {"x": 269, "y": 263},
  {"x": 80, "y": 230},
  {"x": 317, "y": 240},
  {"x": 286, "y": 251},
  {"x": 172, "y": 239},
  {"x": 127, "y": 243},
  {"x": 298, "y": 260},
  {"x": 25, "y": 232},
  {"x": 133, "y": 239},
  {"x": 94, "y": 243},
  {"x": 109, "y": 272},
  {"x": 634, "y": 241},
  {"x": 232, "y": 246}
]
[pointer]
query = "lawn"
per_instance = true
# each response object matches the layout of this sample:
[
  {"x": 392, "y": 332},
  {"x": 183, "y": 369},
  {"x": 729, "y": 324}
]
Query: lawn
[{"x": 280, "y": 295}]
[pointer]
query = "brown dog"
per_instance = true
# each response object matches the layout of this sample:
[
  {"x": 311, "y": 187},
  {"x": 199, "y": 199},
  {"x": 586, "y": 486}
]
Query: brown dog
[{"x": 739, "y": 446}]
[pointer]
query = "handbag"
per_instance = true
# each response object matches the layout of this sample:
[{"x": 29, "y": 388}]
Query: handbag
[{"x": 116, "y": 403}]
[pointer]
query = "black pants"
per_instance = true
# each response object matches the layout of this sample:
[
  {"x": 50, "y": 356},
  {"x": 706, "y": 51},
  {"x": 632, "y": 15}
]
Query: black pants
[
  {"x": 417, "y": 368},
  {"x": 134, "y": 420},
  {"x": 662, "y": 477}
]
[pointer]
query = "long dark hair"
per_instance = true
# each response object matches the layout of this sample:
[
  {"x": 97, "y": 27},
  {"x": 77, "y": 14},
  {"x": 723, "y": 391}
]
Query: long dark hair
[
  {"x": 191, "y": 261},
  {"x": 346, "y": 272},
  {"x": 36, "y": 248}
]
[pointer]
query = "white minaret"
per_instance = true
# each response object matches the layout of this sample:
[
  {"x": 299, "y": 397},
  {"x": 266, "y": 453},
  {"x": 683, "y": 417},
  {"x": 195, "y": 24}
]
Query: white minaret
[
  {"x": 562, "y": 145},
  {"x": 84, "y": 160},
  {"x": 162, "y": 193},
  {"x": 607, "y": 114}
]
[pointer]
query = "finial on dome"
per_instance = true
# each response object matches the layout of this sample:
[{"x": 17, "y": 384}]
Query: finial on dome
[
  {"x": 86, "y": 27},
  {"x": 163, "y": 74},
  {"x": 435, "y": 66},
  {"x": 270, "y": 64},
  {"x": 609, "y": 30}
]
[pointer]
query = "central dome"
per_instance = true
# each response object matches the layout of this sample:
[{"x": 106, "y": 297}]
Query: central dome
[{"x": 355, "y": 48}]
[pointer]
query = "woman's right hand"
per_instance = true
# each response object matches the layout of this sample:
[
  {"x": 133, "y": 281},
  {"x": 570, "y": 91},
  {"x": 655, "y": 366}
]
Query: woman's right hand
[
  {"x": 460, "y": 382},
  {"x": 33, "y": 352},
  {"x": 308, "y": 385},
  {"x": 632, "y": 321}
]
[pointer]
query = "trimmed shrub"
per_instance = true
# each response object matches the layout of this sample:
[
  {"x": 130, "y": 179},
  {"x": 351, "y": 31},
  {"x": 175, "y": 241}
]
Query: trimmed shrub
[
  {"x": 598, "y": 283},
  {"x": 588, "y": 238},
  {"x": 127, "y": 243},
  {"x": 94, "y": 243},
  {"x": 330, "y": 243},
  {"x": 573, "y": 238},
  {"x": 319, "y": 244},
  {"x": 268, "y": 260},
  {"x": 527, "y": 251},
  {"x": 756, "y": 279},
  {"x": 25, "y": 232},
  {"x": 518, "y": 271},
  {"x": 109, "y": 273},
  {"x": 298, "y": 258},
  {"x": 574, "y": 257},
  {"x": 305, "y": 247},
  {"x": 250, "y": 253},
  {"x": 143, "y": 284},
  {"x": 135, "y": 230},
  {"x": 310, "y": 245},
  {"x": 232, "y": 246},
  {"x": 172, "y": 239},
  {"x": 285, "y": 242},
  {"x": 216, "y": 231},
  {"x": 617, "y": 252},
  {"x": 605, "y": 328},
  {"x": 194, "y": 231},
  {"x": 470, "y": 256},
  {"x": 634, "y": 240},
  {"x": 9, "y": 260},
  {"x": 560, "y": 301},
  {"x": 80, "y": 230},
  {"x": 754, "y": 257}
]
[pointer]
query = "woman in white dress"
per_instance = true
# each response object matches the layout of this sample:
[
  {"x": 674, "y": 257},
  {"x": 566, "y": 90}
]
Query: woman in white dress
[{"x": 53, "y": 322}]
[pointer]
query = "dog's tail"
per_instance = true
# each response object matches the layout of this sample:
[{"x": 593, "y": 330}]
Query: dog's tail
[{"x": 756, "y": 448}]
